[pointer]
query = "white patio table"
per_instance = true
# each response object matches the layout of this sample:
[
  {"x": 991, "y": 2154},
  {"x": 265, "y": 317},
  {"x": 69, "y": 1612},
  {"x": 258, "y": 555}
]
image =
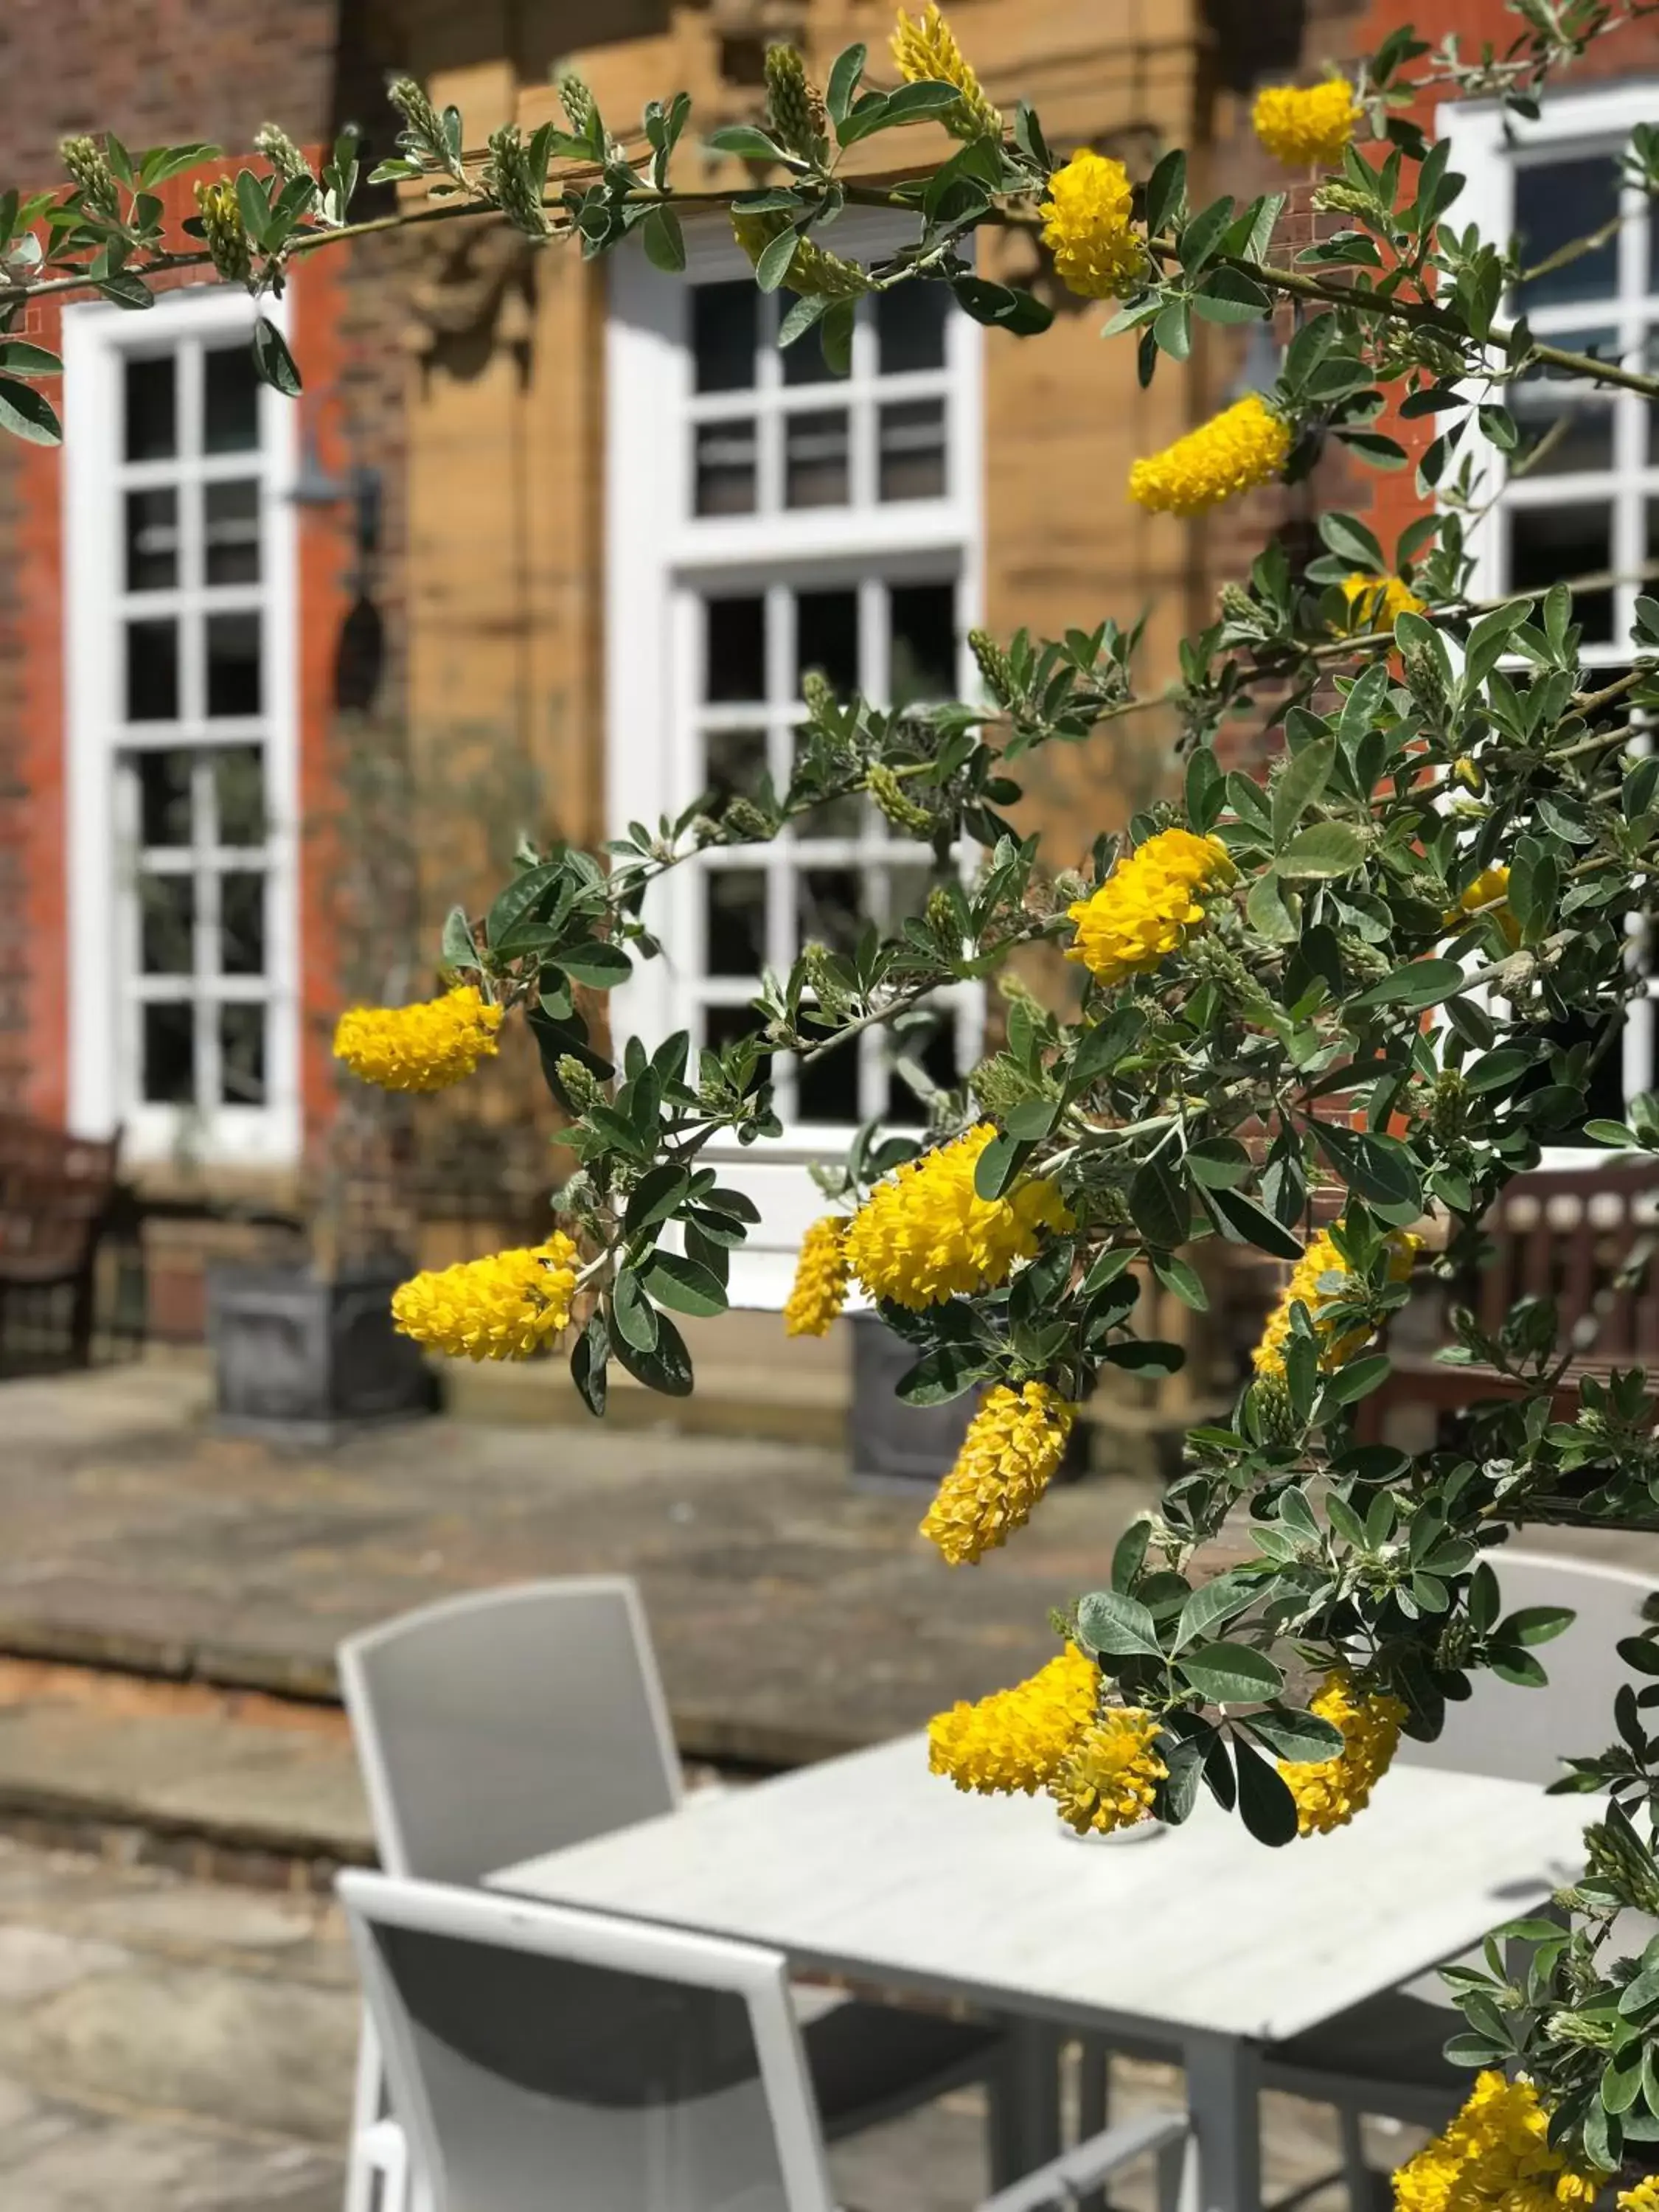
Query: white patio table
[{"x": 1198, "y": 1939}]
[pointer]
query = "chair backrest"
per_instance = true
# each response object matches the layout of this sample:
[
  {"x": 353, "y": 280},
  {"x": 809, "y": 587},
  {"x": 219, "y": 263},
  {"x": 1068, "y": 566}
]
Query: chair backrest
[
  {"x": 1523, "y": 1734},
  {"x": 1565, "y": 1234},
  {"x": 539, "y": 2056},
  {"x": 507, "y": 1723},
  {"x": 54, "y": 1189}
]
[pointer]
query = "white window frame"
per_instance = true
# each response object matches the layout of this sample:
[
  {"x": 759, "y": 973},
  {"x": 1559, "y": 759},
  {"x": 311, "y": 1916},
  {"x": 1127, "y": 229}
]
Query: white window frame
[
  {"x": 103, "y": 1020},
  {"x": 1487, "y": 146},
  {"x": 660, "y": 557}
]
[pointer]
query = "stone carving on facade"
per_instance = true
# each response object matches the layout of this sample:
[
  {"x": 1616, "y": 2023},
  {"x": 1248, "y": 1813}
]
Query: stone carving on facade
[{"x": 473, "y": 299}]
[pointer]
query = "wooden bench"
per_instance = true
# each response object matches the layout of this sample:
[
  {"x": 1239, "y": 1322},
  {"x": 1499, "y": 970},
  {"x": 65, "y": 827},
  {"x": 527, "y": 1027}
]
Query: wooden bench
[
  {"x": 1567, "y": 1234},
  {"x": 56, "y": 1195}
]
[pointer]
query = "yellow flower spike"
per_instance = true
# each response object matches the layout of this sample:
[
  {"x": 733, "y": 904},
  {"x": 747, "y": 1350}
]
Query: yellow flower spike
[
  {"x": 820, "y": 1285},
  {"x": 926, "y": 51},
  {"x": 1496, "y": 2155},
  {"x": 504, "y": 1307},
  {"x": 1329, "y": 1792},
  {"x": 1144, "y": 909},
  {"x": 1644, "y": 2198},
  {"x": 925, "y": 1235},
  {"x": 1310, "y": 1286},
  {"x": 1111, "y": 1779},
  {"x": 1377, "y": 602},
  {"x": 1086, "y": 228},
  {"x": 1014, "y": 1443},
  {"x": 1490, "y": 884},
  {"x": 1018, "y": 1739},
  {"x": 1245, "y": 444},
  {"x": 1300, "y": 125},
  {"x": 425, "y": 1047}
]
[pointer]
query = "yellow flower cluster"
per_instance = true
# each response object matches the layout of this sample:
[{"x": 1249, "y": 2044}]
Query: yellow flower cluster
[
  {"x": 927, "y": 1235},
  {"x": 1018, "y": 1739},
  {"x": 926, "y": 51},
  {"x": 499, "y": 1308},
  {"x": 1085, "y": 226},
  {"x": 1144, "y": 909},
  {"x": 1378, "y": 601},
  {"x": 1329, "y": 1792},
  {"x": 1112, "y": 1776},
  {"x": 1644, "y": 2198},
  {"x": 1304, "y": 124},
  {"x": 1013, "y": 1445},
  {"x": 1309, "y": 1285},
  {"x": 814, "y": 270},
  {"x": 421, "y": 1047},
  {"x": 820, "y": 1284},
  {"x": 1491, "y": 883},
  {"x": 1245, "y": 444},
  {"x": 1496, "y": 2156}
]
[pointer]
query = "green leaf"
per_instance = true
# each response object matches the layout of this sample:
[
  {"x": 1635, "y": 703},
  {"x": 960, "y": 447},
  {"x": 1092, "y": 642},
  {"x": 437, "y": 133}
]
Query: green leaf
[
  {"x": 1419, "y": 983},
  {"x": 1158, "y": 1205},
  {"x": 600, "y": 965},
  {"x": 845, "y": 72},
  {"x": 1358, "y": 1379},
  {"x": 588, "y": 1356},
  {"x": 1302, "y": 1738},
  {"x": 1305, "y": 775},
  {"x": 664, "y": 240},
  {"x": 1149, "y": 1357},
  {"x": 1165, "y": 189},
  {"x": 1119, "y": 1626},
  {"x": 1378, "y": 1168},
  {"x": 1241, "y": 1221},
  {"x": 655, "y": 1196},
  {"x": 998, "y": 1165},
  {"x": 668, "y": 1368},
  {"x": 743, "y": 139},
  {"x": 1536, "y": 1623},
  {"x": 1231, "y": 1674},
  {"x": 1210, "y": 1605},
  {"x": 774, "y": 262},
  {"x": 675, "y": 1281},
  {"x": 1228, "y": 295},
  {"x": 19, "y": 358},
  {"x": 1217, "y": 1162},
  {"x": 1350, "y": 541},
  {"x": 126, "y": 287},
  {"x": 634, "y": 1319},
  {"x": 914, "y": 103},
  {"x": 1269, "y": 910},
  {"x": 942, "y": 1373},
  {"x": 458, "y": 948},
  {"x": 1265, "y": 1803},
  {"x": 273, "y": 363},
  {"x": 1329, "y": 848},
  {"x": 28, "y": 414},
  {"x": 1100, "y": 1048},
  {"x": 1182, "y": 1281}
]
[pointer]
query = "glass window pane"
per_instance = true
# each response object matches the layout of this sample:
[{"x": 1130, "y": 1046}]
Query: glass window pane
[
  {"x": 923, "y": 663},
  {"x": 239, "y": 790},
  {"x": 725, "y": 467},
  {"x": 167, "y": 924},
  {"x": 1556, "y": 203},
  {"x": 151, "y": 411},
  {"x": 827, "y": 1090},
  {"x": 152, "y": 540},
  {"x": 242, "y": 1054},
  {"x": 168, "y": 1051},
  {"x": 230, "y": 395},
  {"x": 938, "y": 1059},
  {"x": 735, "y": 906},
  {"x": 242, "y": 922},
  {"x": 803, "y": 361},
  {"x": 233, "y": 664},
  {"x": 1553, "y": 545},
  {"x": 830, "y": 907},
  {"x": 911, "y": 447},
  {"x": 734, "y": 636},
  {"x": 734, "y": 760},
  {"x": 827, "y": 637},
  {"x": 724, "y": 325},
  {"x": 231, "y": 532},
  {"x": 1578, "y": 424},
  {"x": 152, "y": 671},
  {"x": 815, "y": 460},
  {"x": 910, "y": 328},
  {"x": 164, "y": 798}
]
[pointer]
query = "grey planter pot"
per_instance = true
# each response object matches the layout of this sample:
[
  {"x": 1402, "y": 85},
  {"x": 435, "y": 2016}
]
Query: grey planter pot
[
  {"x": 894, "y": 1446},
  {"x": 303, "y": 1359}
]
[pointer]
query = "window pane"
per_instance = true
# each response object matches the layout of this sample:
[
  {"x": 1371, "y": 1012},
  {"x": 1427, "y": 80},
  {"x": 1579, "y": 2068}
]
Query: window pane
[
  {"x": 152, "y": 540},
  {"x": 828, "y": 1089},
  {"x": 910, "y": 327},
  {"x": 168, "y": 1047},
  {"x": 164, "y": 798},
  {"x": 734, "y": 633},
  {"x": 167, "y": 924},
  {"x": 231, "y": 529},
  {"x": 923, "y": 665},
  {"x": 1552, "y": 544},
  {"x": 912, "y": 450},
  {"x": 152, "y": 671},
  {"x": 830, "y": 907},
  {"x": 238, "y": 789},
  {"x": 827, "y": 637},
  {"x": 1578, "y": 424},
  {"x": 734, "y": 760},
  {"x": 233, "y": 664},
  {"x": 1556, "y": 203},
  {"x": 803, "y": 361},
  {"x": 723, "y": 334},
  {"x": 938, "y": 1059},
  {"x": 242, "y": 923},
  {"x": 815, "y": 460},
  {"x": 242, "y": 1055},
  {"x": 735, "y": 905},
  {"x": 152, "y": 427},
  {"x": 230, "y": 393},
  {"x": 907, "y": 890},
  {"x": 725, "y": 468}
]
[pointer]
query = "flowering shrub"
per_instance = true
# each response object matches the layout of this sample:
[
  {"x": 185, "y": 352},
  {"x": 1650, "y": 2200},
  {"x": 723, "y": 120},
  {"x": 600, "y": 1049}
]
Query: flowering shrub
[{"x": 1361, "y": 987}]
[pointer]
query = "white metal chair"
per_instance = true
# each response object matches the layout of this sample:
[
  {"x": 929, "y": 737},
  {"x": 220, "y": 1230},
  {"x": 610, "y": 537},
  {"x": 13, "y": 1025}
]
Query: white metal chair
[
  {"x": 506, "y": 1722},
  {"x": 542, "y": 2055}
]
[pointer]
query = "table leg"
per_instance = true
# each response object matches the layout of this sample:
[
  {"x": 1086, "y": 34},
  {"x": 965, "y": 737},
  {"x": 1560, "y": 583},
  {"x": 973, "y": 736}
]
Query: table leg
[
  {"x": 1025, "y": 2100},
  {"x": 1223, "y": 2098}
]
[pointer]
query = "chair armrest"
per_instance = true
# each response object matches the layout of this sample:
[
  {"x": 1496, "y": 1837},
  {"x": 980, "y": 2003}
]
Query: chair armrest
[{"x": 1064, "y": 2180}]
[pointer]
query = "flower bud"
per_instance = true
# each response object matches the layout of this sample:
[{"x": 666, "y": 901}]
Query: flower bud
[
  {"x": 280, "y": 150},
  {"x": 90, "y": 172},
  {"x": 507, "y": 178},
  {"x": 578, "y": 1082},
  {"x": 792, "y": 102},
  {"x": 888, "y": 792},
  {"x": 224, "y": 231}
]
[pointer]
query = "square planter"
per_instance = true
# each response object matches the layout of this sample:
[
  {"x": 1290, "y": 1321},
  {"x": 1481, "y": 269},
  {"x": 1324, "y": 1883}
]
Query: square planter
[
  {"x": 896, "y": 1447},
  {"x": 303, "y": 1358}
]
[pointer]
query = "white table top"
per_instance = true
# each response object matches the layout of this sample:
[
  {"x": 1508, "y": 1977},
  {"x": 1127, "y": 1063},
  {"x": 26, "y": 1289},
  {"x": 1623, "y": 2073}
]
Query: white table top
[{"x": 871, "y": 1867}]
